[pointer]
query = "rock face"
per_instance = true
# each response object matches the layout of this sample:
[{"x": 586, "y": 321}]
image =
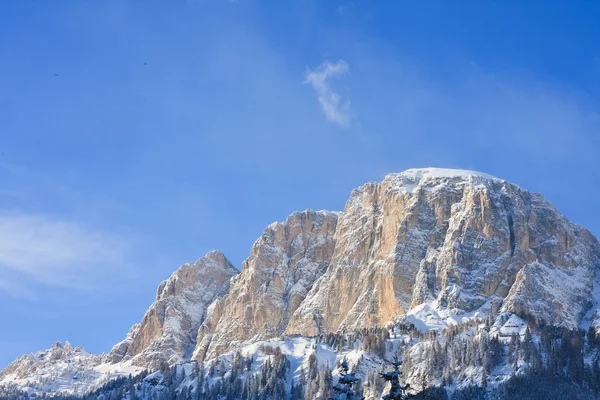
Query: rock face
[
  {"x": 167, "y": 332},
  {"x": 281, "y": 269},
  {"x": 457, "y": 239}
]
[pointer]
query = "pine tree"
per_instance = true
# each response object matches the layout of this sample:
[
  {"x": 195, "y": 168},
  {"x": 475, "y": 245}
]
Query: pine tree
[
  {"x": 397, "y": 391},
  {"x": 344, "y": 389},
  {"x": 325, "y": 382}
]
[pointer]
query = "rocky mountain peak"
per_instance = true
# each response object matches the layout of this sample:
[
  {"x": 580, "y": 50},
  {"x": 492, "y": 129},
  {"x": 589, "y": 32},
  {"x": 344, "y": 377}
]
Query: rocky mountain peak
[
  {"x": 168, "y": 330},
  {"x": 188, "y": 275},
  {"x": 56, "y": 346}
]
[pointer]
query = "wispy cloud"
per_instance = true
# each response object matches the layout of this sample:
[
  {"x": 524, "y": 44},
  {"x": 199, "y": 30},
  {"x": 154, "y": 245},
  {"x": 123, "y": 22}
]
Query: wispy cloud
[
  {"x": 336, "y": 109},
  {"x": 39, "y": 250}
]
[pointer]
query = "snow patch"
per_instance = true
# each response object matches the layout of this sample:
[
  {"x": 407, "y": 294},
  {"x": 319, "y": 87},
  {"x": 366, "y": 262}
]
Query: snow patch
[{"x": 430, "y": 316}]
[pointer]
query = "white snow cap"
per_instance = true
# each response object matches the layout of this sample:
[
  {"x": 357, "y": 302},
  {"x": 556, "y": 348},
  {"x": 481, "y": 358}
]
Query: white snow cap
[
  {"x": 428, "y": 178},
  {"x": 424, "y": 173}
]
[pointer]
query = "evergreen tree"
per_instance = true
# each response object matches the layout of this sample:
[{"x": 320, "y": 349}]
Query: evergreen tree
[
  {"x": 397, "y": 391},
  {"x": 344, "y": 389}
]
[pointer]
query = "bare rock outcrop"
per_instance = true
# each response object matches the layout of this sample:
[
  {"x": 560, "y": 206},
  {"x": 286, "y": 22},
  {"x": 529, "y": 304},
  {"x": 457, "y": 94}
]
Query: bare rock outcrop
[
  {"x": 281, "y": 269},
  {"x": 167, "y": 332}
]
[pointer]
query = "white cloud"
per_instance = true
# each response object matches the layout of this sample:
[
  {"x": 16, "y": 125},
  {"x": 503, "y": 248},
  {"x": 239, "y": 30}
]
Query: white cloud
[
  {"x": 39, "y": 250},
  {"x": 335, "y": 108}
]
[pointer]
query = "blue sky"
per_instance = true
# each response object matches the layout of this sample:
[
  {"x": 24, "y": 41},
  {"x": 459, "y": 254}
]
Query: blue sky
[{"x": 138, "y": 135}]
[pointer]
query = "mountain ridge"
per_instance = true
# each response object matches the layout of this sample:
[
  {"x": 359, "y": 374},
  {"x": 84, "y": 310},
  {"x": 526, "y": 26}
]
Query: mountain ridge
[{"x": 434, "y": 246}]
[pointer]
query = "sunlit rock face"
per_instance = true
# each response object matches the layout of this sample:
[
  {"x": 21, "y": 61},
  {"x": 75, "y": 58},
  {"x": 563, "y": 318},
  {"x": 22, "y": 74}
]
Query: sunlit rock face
[
  {"x": 275, "y": 279},
  {"x": 456, "y": 239},
  {"x": 167, "y": 333}
]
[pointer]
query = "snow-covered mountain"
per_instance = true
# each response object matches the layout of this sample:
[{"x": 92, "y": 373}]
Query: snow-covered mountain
[
  {"x": 62, "y": 369},
  {"x": 432, "y": 247}
]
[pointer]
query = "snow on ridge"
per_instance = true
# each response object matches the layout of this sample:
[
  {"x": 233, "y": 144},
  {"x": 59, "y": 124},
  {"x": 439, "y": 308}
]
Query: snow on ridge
[
  {"x": 424, "y": 173},
  {"x": 307, "y": 211},
  {"x": 63, "y": 369},
  {"x": 427, "y": 178},
  {"x": 430, "y": 316}
]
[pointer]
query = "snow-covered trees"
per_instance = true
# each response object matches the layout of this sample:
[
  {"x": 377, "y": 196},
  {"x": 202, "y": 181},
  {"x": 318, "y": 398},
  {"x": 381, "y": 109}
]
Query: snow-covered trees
[
  {"x": 344, "y": 390},
  {"x": 315, "y": 383},
  {"x": 269, "y": 382},
  {"x": 466, "y": 358},
  {"x": 397, "y": 391}
]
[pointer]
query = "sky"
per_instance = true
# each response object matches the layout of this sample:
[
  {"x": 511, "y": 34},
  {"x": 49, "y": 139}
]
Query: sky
[{"x": 136, "y": 136}]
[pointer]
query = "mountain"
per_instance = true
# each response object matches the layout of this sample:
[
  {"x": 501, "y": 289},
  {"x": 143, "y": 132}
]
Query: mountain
[
  {"x": 167, "y": 332},
  {"x": 422, "y": 250},
  {"x": 455, "y": 242}
]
